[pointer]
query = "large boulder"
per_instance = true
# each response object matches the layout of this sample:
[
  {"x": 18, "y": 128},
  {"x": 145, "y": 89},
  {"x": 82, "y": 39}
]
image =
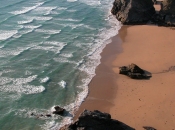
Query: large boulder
[
  {"x": 134, "y": 72},
  {"x": 96, "y": 120},
  {"x": 58, "y": 110},
  {"x": 133, "y": 11}
]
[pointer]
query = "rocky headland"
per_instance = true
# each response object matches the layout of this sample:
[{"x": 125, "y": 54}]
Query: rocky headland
[{"x": 134, "y": 12}]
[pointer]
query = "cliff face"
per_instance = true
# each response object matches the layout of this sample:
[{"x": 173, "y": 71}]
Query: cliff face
[
  {"x": 168, "y": 12},
  {"x": 168, "y": 7},
  {"x": 133, "y": 11},
  {"x": 142, "y": 11}
]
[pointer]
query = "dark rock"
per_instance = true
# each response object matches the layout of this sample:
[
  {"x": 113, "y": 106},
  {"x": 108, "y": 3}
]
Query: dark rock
[
  {"x": 48, "y": 115},
  {"x": 132, "y": 68},
  {"x": 148, "y": 128},
  {"x": 59, "y": 110},
  {"x": 96, "y": 120},
  {"x": 133, "y": 11},
  {"x": 32, "y": 114},
  {"x": 133, "y": 71},
  {"x": 123, "y": 70},
  {"x": 142, "y": 12},
  {"x": 170, "y": 20},
  {"x": 168, "y": 7}
]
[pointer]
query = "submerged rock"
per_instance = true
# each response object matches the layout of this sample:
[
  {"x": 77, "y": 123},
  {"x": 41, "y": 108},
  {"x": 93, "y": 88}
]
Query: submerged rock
[
  {"x": 134, "y": 71},
  {"x": 96, "y": 120},
  {"x": 58, "y": 110},
  {"x": 133, "y": 11}
]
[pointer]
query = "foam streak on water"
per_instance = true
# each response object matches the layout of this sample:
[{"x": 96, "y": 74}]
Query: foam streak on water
[
  {"x": 27, "y": 9},
  {"x": 7, "y": 34}
]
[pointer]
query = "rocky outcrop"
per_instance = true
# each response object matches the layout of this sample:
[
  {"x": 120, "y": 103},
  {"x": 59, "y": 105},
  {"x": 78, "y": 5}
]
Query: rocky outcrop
[
  {"x": 168, "y": 7},
  {"x": 142, "y": 12},
  {"x": 96, "y": 120},
  {"x": 59, "y": 110},
  {"x": 168, "y": 12},
  {"x": 134, "y": 71},
  {"x": 133, "y": 11}
]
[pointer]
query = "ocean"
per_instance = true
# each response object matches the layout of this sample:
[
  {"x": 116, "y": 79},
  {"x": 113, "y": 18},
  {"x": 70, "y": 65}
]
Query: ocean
[{"x": 49, "y": 50}]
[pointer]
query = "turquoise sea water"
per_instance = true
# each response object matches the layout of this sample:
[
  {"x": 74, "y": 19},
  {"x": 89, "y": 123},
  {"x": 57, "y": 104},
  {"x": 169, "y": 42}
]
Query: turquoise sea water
[{"x": 49, "y": 50}]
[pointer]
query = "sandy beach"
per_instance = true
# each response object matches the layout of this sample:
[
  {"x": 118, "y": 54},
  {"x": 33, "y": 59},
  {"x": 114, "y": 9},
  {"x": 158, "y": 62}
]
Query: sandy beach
[
  {"x": 147, "y": 102},
  {"x": 137, "y": 103}
]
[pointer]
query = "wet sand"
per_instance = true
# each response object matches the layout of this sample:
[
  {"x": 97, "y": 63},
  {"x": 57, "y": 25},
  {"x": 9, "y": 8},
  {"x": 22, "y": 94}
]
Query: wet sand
[
  {"x": 137, "y": 103},
  {"x": 102, "y": 88}
]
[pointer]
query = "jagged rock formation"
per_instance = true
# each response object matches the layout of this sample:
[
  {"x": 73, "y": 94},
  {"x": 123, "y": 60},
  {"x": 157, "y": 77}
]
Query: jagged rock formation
[
  {"x": 134, "y": 71},
  {"x": 142, "y": 11},
  {"x": 168, "y": 7},
  {"x": 96, "y": 120},
  {"x": 168, "y": 12},
  {"x": 133, "y": 11}
]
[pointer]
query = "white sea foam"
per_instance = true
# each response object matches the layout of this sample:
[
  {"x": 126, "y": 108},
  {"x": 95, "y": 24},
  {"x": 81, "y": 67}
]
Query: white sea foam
[
  {"x": 61, "y": 8},
  {"x": 26, "y": 9},
  {"x": 50, "y": 125},
  {"x": 67, "y": 55},
  {"x": 40, "y": 114},
  {"x": 26, "y": 31},
  {"x": 68, "y": 19},
  {"x": 46, "y": 37},
  {"x": 73, "y": 26},
  {"x": 91, "y": 2},
  {"x": 13, "y": 51},
  {"x": 71, "y": 0},
  {"x": 20, "y": 85},
  {"x": 44, "y": 80},
  {"x": 53, "y": 46},
  {"x": 27, "y": 72},
  {"x": 32, "y": 26},
  {"x": 25, "y": 21},
  {"x": 62, "y": 83},
  {"x": 64, "y": 60},
  {"x": 71, "y": 10},
  {"x": 4, "y": 35},
  {"x": 45, "y": 10},
  {"x": 38, "y": 18},
  {"x": 48, "y": 31},
  {"x": 26, "y": 89}
]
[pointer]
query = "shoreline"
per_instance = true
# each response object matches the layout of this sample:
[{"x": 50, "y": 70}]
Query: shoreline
[
  {"x": 137, "y": 103},
  {"x": 102, "y": 98}
]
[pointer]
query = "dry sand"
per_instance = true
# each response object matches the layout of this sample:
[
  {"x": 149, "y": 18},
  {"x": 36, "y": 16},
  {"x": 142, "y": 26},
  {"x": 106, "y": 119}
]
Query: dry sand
[
  {"x": 137, "y": 103},
  {"x": 151, "y": 102}
]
